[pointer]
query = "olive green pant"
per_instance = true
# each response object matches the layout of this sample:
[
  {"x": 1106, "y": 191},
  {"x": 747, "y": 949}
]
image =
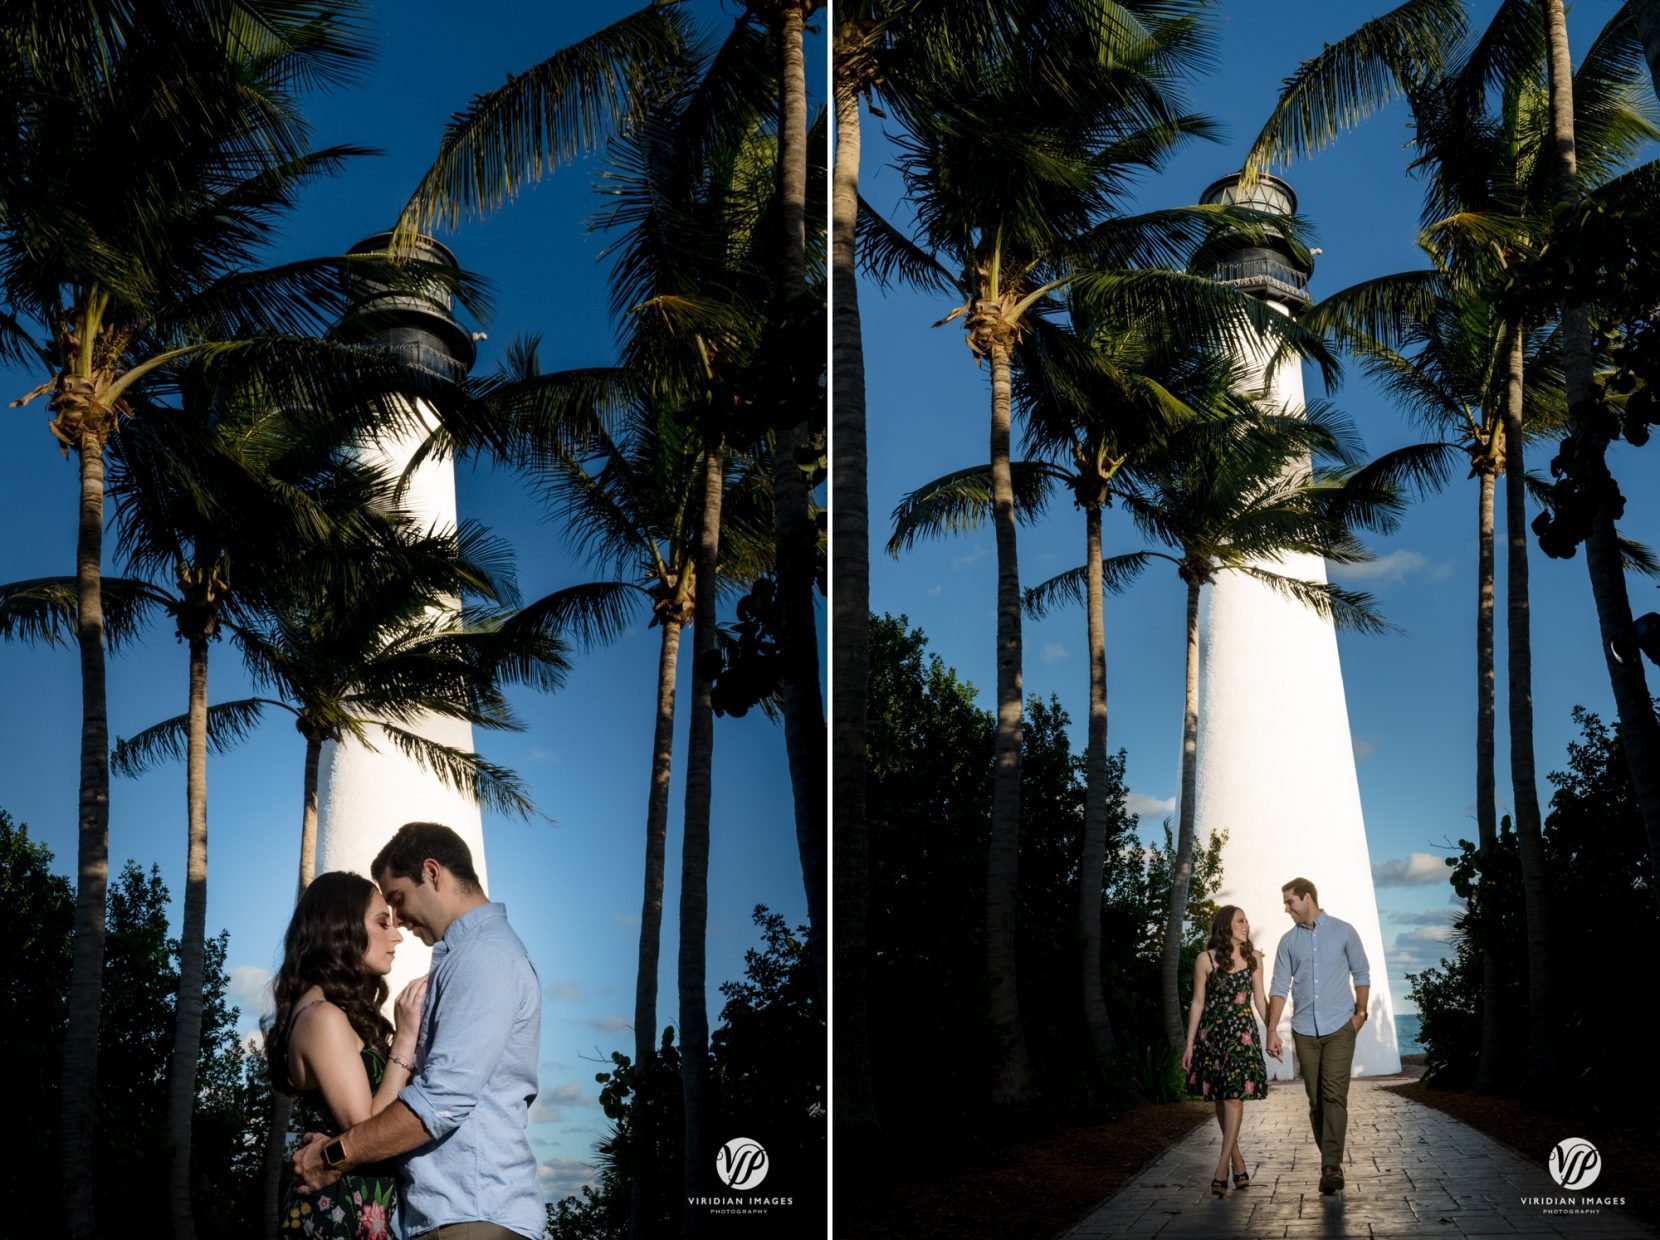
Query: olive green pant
[
  {"x": 470, "y": 1231},
  {"x": 1325, "y": 1063}
]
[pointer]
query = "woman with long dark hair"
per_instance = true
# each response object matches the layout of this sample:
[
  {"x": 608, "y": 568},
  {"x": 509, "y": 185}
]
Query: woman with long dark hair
[
  {"x": 1223, "y": 1058},
  {"x": 328, "y": 1044}
]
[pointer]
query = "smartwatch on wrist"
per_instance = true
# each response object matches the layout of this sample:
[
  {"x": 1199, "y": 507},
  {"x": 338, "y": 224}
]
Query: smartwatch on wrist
[{"x": 334, "y": 1155}]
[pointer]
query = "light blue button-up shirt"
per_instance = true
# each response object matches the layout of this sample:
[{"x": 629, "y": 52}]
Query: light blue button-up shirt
[
  {"x": 1318, "y": 960},
  {"x": 480, "y": 1036}
]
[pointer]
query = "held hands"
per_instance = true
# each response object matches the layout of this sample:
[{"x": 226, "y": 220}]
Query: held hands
[
  {"x": 309, "y": 1169},
  {"x": 406, "y": 1015}
]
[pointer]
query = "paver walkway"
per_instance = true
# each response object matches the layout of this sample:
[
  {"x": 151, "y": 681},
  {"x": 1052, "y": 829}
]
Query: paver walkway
[{"x": 1410, "y": 1171}]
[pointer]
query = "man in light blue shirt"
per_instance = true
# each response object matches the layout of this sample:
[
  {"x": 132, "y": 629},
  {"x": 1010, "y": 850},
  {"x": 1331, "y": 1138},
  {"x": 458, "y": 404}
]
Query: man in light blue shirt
[
  {"x": 462, "y": 1117},
  {"x": 1314, "y": 963}
]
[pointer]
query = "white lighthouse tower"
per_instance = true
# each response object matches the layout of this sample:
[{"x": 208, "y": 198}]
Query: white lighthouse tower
[
  {"x": 364, "y": 795},
  {"x": 1276, "y": 765}
]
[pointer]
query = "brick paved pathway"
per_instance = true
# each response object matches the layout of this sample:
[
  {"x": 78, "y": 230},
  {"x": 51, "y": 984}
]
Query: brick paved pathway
[{"x": 1410, "y": 1171}]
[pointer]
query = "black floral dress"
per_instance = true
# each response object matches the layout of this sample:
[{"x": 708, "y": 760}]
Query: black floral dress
[
  {"x": 357, "y": 1206},
  {"x": 1227, "y": 1053}
]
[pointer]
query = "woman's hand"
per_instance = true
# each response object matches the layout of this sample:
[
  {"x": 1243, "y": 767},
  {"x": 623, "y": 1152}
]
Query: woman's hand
[
  {"x": 1187, "y": 1058},
  {"x": 406, "y": 1014}
]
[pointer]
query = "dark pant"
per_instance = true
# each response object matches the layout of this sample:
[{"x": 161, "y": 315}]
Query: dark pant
[
  {"x": 1324, "y": 1063},
  {"x": 470, "y": 1231}
]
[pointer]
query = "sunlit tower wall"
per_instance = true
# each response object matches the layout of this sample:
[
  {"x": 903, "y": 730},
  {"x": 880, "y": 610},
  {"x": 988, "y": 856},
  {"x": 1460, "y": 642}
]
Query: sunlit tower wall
[
  {"x": 364, "y": 795},
  {"x": 1276, "y": 767}
]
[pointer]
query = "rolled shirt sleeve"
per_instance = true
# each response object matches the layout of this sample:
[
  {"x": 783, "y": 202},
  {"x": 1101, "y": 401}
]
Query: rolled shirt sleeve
[
  {"x": 1282, "y": 969},
  {"x": 1359, "y": 966},
  {"x": 474, "y": 1015}
]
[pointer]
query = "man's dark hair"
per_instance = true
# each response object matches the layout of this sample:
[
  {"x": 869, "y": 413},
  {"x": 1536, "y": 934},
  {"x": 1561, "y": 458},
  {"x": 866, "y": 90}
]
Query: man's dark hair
[
  {"x": 415, "y": 843},
  {"x": 1302, "y": 887}
]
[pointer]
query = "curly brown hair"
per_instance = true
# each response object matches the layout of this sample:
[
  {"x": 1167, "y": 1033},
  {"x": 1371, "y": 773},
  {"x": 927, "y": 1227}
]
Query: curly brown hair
[
  {"x": 325, "y": 946},
  {"x": 1220, "y": 944}
]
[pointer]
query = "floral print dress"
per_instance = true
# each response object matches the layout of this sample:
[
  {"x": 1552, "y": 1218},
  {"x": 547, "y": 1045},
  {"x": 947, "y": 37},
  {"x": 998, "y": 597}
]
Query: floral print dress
[
  {"x": 1227, "y": 1054},
  {"x": 357, "y": 1206}
]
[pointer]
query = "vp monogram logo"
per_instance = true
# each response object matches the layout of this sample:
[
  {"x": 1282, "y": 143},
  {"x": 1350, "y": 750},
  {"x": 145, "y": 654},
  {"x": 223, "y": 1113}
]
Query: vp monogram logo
[
  {"x": 1575, "y": 1163},
  {"x": 741, "y": 1163}
]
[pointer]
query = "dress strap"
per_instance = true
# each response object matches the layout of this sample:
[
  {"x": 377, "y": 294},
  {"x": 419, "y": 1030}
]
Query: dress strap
[{"x": 295, "y": 1015}]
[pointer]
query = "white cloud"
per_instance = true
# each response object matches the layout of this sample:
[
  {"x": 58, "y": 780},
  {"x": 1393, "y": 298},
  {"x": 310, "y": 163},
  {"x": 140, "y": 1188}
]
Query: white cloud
[
  {"x": 626, "y": 921},
  {"x": 539, "y": 755},
  {"x": 980, "y": 552},
  {"x": 1414, "y": 870},
  {"x": 1053, "y": 652},
  {"x": 559, "y": 1178},
  {"x": 1419, "y": 949},
  {"x": 935, "y": 591},
  {"x": 551, "y": 1103},
  {"x": 250, "y": 989},
  {"x": 1144, "y": 806},
  {"x": 605, "y": 1024},
  {"x": 1431, "y": 917},
  {"x": 1394, "y": 567},
  {"x": 564, "y": 992}
]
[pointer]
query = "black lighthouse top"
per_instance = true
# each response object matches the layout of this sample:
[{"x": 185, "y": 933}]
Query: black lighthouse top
[
  {"x": 1269, "y": 270},
  {"x": 416, "y": 322}
]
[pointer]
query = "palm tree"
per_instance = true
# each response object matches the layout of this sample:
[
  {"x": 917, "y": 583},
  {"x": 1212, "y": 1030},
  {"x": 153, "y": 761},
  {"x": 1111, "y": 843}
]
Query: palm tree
[
  {"x": 632, "y": 504},
  {"x": 1647, "y": 15},
  {"x": 214, "y": 500},
  {"x": 1015, "y": 162},
  {"x": 1092, "y": 409},
  {"x": 1588, "y": 440},
  {"x": 1487, "y": 198},
  {"x": 149, "y": 151},
  {"x": 798, "y": 435},
  {"x": 1456, "y": 365}
]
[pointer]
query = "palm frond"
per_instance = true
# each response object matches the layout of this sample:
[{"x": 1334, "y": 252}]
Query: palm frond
[
  {"x": 888, "y": 256},
  {"x": 228, "y": 724},
  {"x": 1347, "y": 81},
  {"x": 566, "y": 106},
  {"x": 494, "y": 787},
  {"x": 593, "y": 614},
  {"x": 962, "y": 500},
  {"x": 1350, "y": 610},
  {"x": 44, "y": 609}
]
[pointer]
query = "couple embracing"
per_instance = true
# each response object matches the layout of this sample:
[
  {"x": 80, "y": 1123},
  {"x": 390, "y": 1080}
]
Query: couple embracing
[
  {"x": 419, "y": 1130},
  {"x": 1315, "y": 962}
]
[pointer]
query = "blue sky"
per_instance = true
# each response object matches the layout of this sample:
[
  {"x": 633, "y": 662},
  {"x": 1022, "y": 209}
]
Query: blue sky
[
  {"x": 1410, "y": 695},
  {"x": 572, "y": 888}
]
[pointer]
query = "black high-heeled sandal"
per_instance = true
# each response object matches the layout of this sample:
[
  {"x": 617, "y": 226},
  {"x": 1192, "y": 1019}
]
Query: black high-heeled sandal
[
  {"x": 1219, "y": 1187},
  {"x": 1242, "y": 1180}
]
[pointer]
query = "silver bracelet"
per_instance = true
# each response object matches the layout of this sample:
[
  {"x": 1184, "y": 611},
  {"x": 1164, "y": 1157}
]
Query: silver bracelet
[{"x": 401, "y": 1062}]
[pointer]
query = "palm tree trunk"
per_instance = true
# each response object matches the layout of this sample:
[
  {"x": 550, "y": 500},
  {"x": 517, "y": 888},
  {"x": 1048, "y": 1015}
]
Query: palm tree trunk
[
  {"x": 80, "y": 1049},
  {"x": 1488, "y": 1074},
  {"x": 1541, "y": 1047},
  {"x": 1603, "y": 561},
  {"x": 1095, "y": 803},
  {"x": 850, "y": 628},
  {"x": 282, "y": 1106},
  {"x": 651, "y": 904},
  {"x": 308, "y": 814},
  {"x": 187, "y": 1024},
  {"x": 797, "y": 536},
  {"x": 1013, "y": 1082},
  {"x": 694, "y": 860},
  {"x": 1647, "y": 13},
  {"x": 1181, "y": 873}
]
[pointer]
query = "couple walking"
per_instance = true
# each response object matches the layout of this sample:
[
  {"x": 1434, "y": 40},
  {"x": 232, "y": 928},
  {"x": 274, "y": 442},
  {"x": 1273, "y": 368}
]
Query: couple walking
[
  {"x": 419, "y": 1130},
  {"x": 1313, "y": 966}
]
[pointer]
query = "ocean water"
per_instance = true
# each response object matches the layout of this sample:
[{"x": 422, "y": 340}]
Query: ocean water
[{"x": 1406, "y": 1034}]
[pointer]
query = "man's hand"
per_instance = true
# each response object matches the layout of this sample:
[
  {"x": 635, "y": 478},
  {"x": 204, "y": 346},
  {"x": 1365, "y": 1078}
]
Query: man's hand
[
  {"x": 309, "y": 1168},
  {"x": 1357, "y": 1020},
  {"x": 1275, "y": 1047}
]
